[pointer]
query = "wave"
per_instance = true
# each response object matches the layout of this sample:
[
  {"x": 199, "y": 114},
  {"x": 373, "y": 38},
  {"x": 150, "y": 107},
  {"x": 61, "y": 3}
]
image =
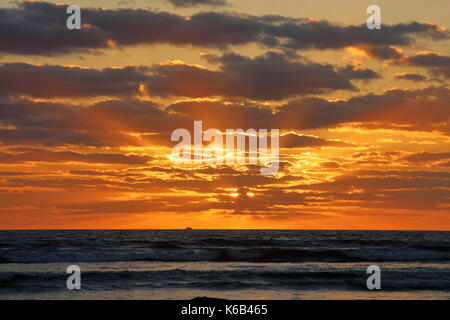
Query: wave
[
  {"x": 165, "y": 253},
  {"x": 239, "y": 242},
  {"x": 226, "y": 279}
]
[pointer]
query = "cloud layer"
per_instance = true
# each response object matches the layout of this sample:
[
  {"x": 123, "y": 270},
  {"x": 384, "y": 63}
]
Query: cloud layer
[{"x": 37, "y": 28}]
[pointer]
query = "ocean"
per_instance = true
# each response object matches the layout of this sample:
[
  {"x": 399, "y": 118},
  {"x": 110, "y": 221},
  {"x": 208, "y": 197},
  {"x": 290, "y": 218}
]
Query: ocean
[{"x": 229, "y": 264}]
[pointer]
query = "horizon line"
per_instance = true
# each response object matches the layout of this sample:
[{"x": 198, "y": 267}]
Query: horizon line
[{"x": 213, "y": 229}]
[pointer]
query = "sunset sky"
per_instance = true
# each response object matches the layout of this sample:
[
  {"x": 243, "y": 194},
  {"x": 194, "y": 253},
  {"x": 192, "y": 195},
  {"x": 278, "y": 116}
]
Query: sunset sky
[{"x": 86, "y": 115}]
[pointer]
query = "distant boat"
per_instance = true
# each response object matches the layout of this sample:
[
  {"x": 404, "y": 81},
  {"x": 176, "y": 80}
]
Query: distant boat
[{"x": 188, "y": 228}]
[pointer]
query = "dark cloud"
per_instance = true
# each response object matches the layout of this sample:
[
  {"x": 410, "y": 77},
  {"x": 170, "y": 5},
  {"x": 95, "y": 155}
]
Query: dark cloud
[
  {"x": 292, "y": 140},
  {"x": 330, "y": 164},
  {"x": 427, "y": 59},
  {"x": 386, "y": 189},
  {"x": 379, "y": 181},
  {"x": 326, "y": 35},
  {"x": 357, "y": 72},
  {"x": 422, "y": 109},
  {"x": 423, "y": 157},
  {"x": 59, "y": 81},
  {"x": 193, "y": 3},
  {"x": 58, "y": 137},
  {"x": 272, "y": 76},
  {"x": 39, "y": 28},
  {"x": 420, "y": 59},
  {"x": 444, "y": 164},
  {"x": 383, "y": 52},
  {"x": 436, "y": 63},
  {"x": 109, "y": 123},
  {"x": 411, "y": 77},
  {"x": 38, "y": 155},
  {"x": 101, "y": 124},
  {"x": 418, "y": 109},
  {"x": 268, "y": 77}
]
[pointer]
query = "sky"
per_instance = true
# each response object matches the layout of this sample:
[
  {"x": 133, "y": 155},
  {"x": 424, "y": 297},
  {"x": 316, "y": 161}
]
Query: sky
[{"x": 86, "y": 115}]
